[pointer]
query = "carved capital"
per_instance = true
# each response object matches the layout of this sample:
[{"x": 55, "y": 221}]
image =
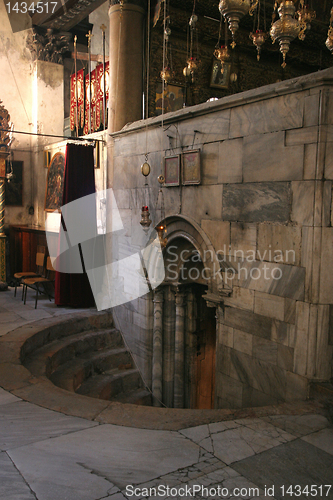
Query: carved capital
[{"x": 47, "y": 45}]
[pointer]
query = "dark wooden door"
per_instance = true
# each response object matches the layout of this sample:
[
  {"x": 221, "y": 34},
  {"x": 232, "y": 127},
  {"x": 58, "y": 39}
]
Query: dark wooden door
[{"x": 206, "y": 358}]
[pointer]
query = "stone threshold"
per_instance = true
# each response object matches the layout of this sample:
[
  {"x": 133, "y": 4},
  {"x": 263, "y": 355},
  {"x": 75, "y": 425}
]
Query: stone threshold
[{"x": 16, "y": 379}]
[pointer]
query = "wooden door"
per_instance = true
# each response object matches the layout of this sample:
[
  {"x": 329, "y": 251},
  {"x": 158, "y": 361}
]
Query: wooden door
[{"x": 206, "y": 358}]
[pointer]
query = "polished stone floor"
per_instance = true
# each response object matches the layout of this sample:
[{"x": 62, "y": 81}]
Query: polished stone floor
[{"x": 47, "y": 455}]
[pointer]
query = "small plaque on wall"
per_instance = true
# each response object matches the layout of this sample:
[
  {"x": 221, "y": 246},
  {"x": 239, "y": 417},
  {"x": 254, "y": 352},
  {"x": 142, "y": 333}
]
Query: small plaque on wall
[
  {"x": 54, "y": 183},
  {"x": 172, "y": 170},
  {"x": 191, "y": 173}
]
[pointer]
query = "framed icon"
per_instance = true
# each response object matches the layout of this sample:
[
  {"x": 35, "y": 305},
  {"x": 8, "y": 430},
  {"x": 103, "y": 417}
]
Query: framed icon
[
  {"x": 191, "y": 170},
  {"x": 55, "y": 183},
  {"x": 220, "y": 79},
  {"x": 172, "y": 170}
]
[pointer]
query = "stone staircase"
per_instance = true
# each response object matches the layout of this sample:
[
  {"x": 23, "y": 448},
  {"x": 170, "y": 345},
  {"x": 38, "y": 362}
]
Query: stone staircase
[{"x": 93, "y": 362}]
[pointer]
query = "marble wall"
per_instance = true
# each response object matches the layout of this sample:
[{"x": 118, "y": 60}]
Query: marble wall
[{"x": 265, "y": 205}]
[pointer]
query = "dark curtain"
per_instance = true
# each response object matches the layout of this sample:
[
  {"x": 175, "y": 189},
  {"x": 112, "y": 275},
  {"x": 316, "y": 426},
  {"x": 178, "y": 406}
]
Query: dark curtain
[{"x": 79, "y": 180}]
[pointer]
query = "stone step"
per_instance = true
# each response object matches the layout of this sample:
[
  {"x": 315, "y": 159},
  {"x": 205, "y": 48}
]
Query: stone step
[
  {"x": 73, "y": 373},
  {"x": 110, "y": 385},
  {"x": 47, "y": 359},
  {"x": 138, "y": 397}
]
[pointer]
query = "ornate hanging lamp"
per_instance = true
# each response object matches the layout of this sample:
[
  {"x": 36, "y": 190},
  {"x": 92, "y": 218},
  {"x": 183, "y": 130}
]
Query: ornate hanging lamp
[
  {"x": 233, "y": 11},
  {"x": 192, "y": 62},
  {"x": 221, "y": 52},
  {"x": 329, "y": 40},
  {"x": 289, "y": 26},
  {"x": 258, "y": 36}
]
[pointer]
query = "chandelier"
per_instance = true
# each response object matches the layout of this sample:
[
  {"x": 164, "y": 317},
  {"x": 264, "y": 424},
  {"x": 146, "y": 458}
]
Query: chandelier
[
  {"x": 233, "y": 11},
  {"x": 291, "y": 24}
]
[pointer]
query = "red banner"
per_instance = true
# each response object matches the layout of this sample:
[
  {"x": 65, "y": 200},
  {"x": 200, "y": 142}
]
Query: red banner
[
  {"x": 94, "y": 116},
  {"x": 80, "y": 100},
  {"x": 90, "y": 122}
]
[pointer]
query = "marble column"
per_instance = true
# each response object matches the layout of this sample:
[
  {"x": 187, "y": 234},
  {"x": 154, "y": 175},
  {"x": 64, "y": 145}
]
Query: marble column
[
  {"x": 190, "y": 350},
  {"x": 126, "y": 44},
  {"x": 168, "y": 346},
  {"x": 157, "y": 348},
  {"x": 179, "y": 351}
]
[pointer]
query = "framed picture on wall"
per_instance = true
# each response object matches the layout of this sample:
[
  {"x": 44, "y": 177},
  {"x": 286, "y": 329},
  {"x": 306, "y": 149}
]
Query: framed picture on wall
[
  {"x": 219, "y": 79},
  {"x": 172, "y": 170},
  {"x": 55, "y": 183},
  {"x": 173, "y": 98},
  {"x": 191, "y": 173},
  {"x": 14, "y": 185}
]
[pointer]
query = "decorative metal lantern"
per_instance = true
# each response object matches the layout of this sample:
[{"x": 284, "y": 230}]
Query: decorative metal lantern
[
  {"x": 285, "y": 29},
  {"x": 223, "y": 55},
  {"x": 162, "y": 234},
  {"x": 166, "y": 74},
  {"x": 233, "y": 11},
  {"x": 305, "y": 16},
  {"x": 145, "y": 217},
  {"x": 258, "y": 38}
]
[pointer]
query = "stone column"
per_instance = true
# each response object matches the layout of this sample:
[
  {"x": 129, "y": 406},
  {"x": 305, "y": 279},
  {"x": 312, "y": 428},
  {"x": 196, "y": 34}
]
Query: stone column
[
  {"x": 126, "y": 43},
  {"x": 168, "y": 346},
  {"x": 157, "y": 348},
  {"x": 3, "y": 157},
  {"x": 190, "y": 350},
  {"x": 179, "y": 352}
]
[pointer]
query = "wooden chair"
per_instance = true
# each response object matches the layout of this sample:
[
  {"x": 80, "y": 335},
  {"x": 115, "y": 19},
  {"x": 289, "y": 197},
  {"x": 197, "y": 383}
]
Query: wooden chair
[
  {"x": 40, "y": 263},
  {"x": 40, "y": 284}
]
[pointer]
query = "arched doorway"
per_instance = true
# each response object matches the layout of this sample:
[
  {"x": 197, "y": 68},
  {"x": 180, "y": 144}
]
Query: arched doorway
[{"x": 184, "y": 344}]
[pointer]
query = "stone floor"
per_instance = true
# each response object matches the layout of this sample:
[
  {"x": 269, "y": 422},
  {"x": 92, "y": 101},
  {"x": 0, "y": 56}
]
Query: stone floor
[{"x": 47, "y": 455}]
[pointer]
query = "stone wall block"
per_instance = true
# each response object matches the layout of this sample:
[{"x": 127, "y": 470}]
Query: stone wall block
[
  {"x": 279, "y": 243},
  {"x": 243, "y": 239},
  {"x": 312, "y": 342},
  {"x": 267, "y": 158},
  {"x": 280, "y": 113},
  {"x": 208, "y": 202},
  {"x": 297, "y": 387},
  {"x": 243, "y": 342},
  {"x": 230, "y": 167},
  {"x": 311, "y": 110},
  {"x": 269, "y": 305},
  {"x": 252, "y": 398},
  {"x": 265, "y": 349},
  {"x": 281, "y": 332},
  {"x": 249, "y": 322},
  {"x": 323, "y": 351},
  {"x": 210, "y": 161},
  {"x": 326, "y": 277},
  {"x": 330, "y": 331},
  {"x": 226, "y": 335},
  {"x": 318, "y": 203},
  {"x": 307, "y": 259},
  {"x": 327, "y": 204},
  {"x": 329, "y": 160},
  {"x": 212, "y": 128},
  {"x": 310, "y": 161},
  {"x": 290, "y": 311},
  {"x": 259, "y": 202},
  {"x": 241, "y": 298},
  {"x": 229, "y": 392},
  {"x": 302, "y": 332},
  {"x": 285, "y": 357},
  {"x": 316, "y": 265},
  {"x": 300, "y": 136},
  {"x": 303, "y": 202},
  {"x": 219, "y": 234}
]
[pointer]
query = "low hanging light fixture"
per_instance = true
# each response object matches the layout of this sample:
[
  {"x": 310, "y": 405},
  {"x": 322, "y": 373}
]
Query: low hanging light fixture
[
  {"x": 221, "y": 52},
  {"x": 233, "y": 11},
  {"x": 329, "y": 40},
  {"x": 291, "y": 24},
  {"x": 259, "y": 36},
  {"x": 192, "y": 62}
]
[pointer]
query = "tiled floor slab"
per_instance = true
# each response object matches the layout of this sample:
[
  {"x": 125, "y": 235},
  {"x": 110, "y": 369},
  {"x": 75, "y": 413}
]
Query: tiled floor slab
[
  {"x": 200, "y": 435},
  {"x": 241, "y": 442},
  {"x": 22, "y": 423},
  {"x": 12, "y": 485},
  {"x": 7, "y": 398},
  {"x": 322, "y": 439},
  {"x": 298, "y": 425},
  {"x": 118, "y": 455},
  {"x": 294, "y": 463}
]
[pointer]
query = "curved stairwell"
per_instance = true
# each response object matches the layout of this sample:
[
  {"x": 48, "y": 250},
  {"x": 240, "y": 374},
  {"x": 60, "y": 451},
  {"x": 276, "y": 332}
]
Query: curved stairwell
[{"x": 92, "y": 362}]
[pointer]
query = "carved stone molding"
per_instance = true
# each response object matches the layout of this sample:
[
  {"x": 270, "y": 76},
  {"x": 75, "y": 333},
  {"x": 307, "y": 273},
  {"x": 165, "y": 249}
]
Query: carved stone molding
[{"x": 47, "y": 45}]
